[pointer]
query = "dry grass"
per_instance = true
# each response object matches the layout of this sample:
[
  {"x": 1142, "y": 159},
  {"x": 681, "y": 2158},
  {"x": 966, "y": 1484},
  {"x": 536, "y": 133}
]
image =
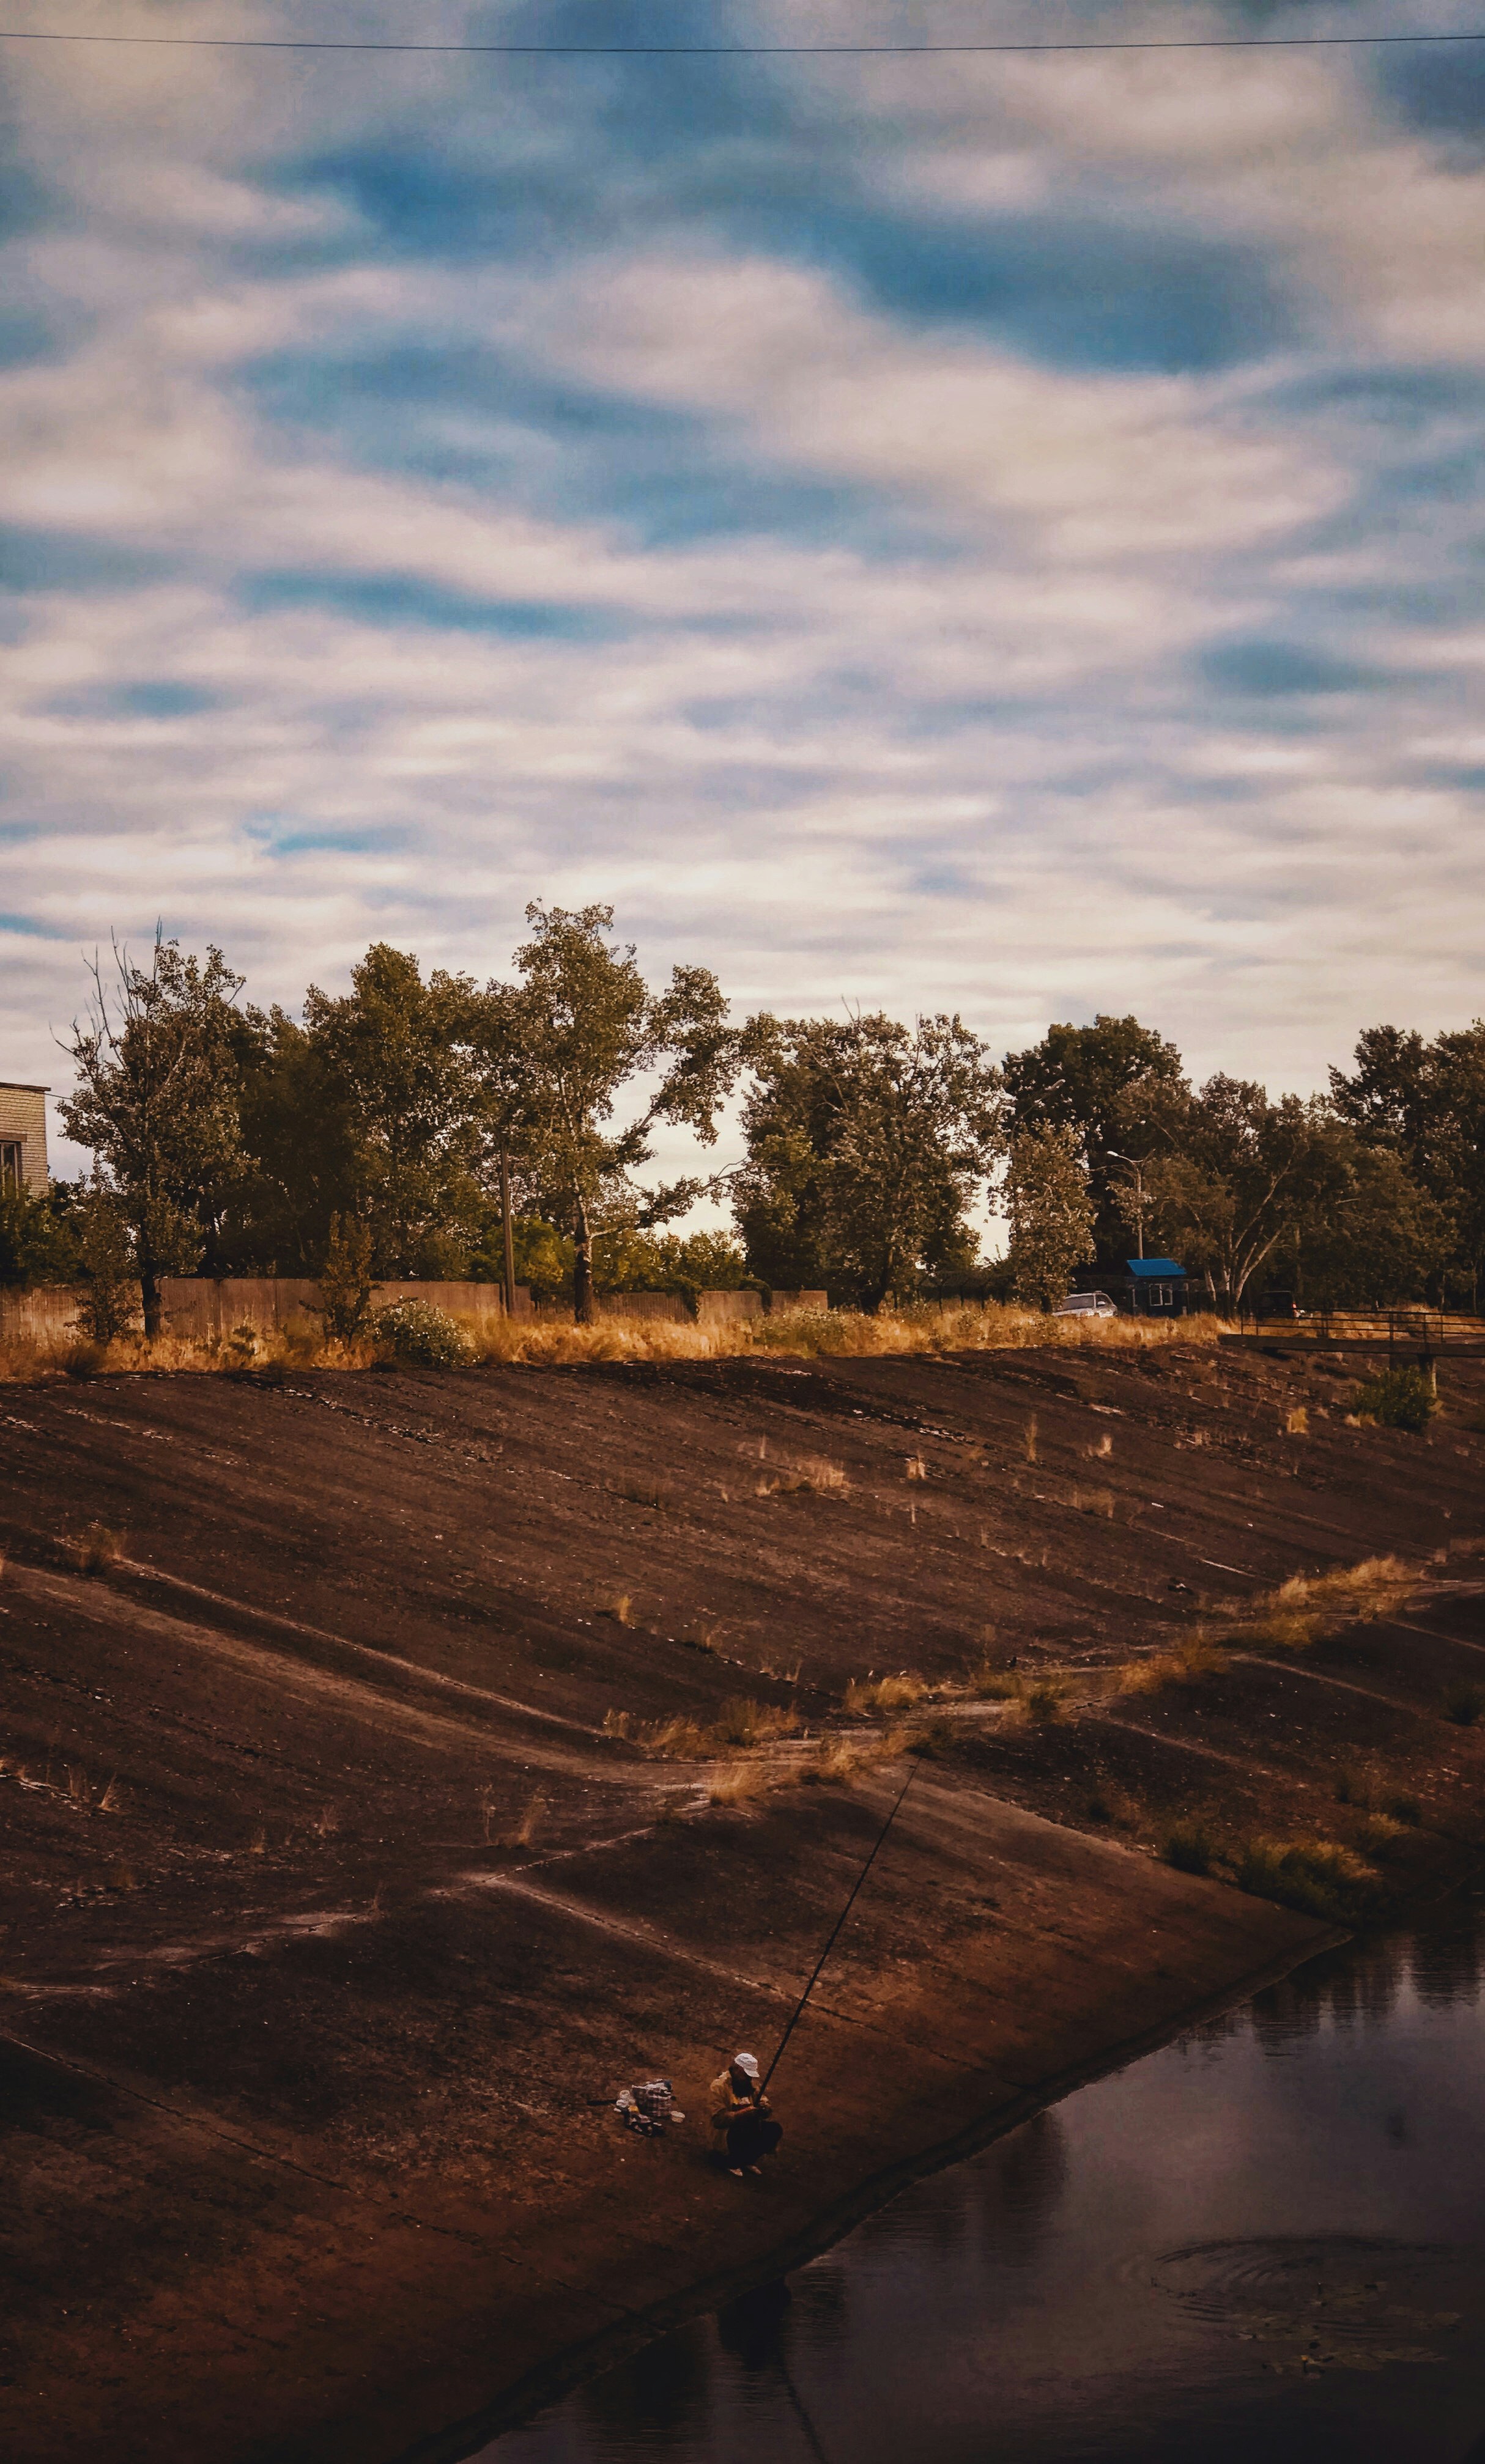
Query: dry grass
[
  {"x": 1029, "y": 1439},
  {"x": 812, "y": 1475},
  {"x": 916, "y": 1468},
  {"x": 620, "y": 1606},
  {"x": 744, "y": 1722},
  {"x": 739, "y": 1783},
  {"x": 1189, "y": 1661},
  {"x": 95, "y": 1547},
  {"x": 682, "y": 1739},
  {"x": 1308, "y": 1607},
  {"x": 1298, "y": 1423},
  {"x": 1317, "y": 1876},
  {"x": 805, "y": 1334},
  {"x": 988, "y": 1683},
  {"x": 866, "y": 1694}
]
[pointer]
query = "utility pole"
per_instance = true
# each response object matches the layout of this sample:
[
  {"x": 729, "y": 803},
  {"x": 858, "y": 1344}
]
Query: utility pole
[{"x": 505, "y": 1227}]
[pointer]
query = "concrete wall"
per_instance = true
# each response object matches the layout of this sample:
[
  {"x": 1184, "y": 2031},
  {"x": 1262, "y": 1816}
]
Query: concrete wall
[
  {"x": 23, "y": 1121},
  {"x": 727, "y": 1308},
  {"x": 197, "y": 1309}
]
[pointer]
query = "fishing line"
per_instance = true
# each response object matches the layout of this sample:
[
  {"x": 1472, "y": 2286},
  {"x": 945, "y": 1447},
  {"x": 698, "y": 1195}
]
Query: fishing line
[{"x": 795, "y": 2013}]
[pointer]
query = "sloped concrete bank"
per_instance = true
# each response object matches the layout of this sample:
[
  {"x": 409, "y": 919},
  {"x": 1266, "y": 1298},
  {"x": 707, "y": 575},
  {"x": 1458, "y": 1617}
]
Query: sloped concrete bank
[{"x": 336, "y": 1910}]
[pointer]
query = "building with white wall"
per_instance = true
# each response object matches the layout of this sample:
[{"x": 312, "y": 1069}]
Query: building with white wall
[{"x": 23, "y": 1153}]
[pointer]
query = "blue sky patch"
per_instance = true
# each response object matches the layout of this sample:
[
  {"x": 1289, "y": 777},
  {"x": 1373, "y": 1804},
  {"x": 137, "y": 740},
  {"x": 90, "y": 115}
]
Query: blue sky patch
[{"x": 396, "y": 599}]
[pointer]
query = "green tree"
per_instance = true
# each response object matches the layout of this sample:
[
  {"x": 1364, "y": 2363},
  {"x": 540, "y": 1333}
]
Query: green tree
[
  {"x": 156, "y": 1100},
  {"x": 393, "y": 1062},
  {"x": 1369, "y": 1237},
  {"x": 40, "y": 1236},
  {"x": 1239, "y": 1177},
  {"x": 1120, "y": 1085},
  {"x": 106, "y": 1248},
  {"x": 866, "y": 1142},
  {"x": 1050, "y": 1211},
  {"x": 559, "y": 1048},
  {"x": 300, "y": 1158},
  {"x": 1425, "y": 1104}
]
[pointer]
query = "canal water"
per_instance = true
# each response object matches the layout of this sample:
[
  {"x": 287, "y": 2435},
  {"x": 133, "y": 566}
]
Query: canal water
[{"x": 1266, "y": 2241}]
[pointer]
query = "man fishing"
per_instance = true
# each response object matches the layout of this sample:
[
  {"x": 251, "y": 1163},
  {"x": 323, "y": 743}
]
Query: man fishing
[{"x": 742, "y": 2116}]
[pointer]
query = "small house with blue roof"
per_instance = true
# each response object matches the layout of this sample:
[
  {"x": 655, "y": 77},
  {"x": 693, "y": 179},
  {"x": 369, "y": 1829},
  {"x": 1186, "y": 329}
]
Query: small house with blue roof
[{"x": 1156, "y": 1288}]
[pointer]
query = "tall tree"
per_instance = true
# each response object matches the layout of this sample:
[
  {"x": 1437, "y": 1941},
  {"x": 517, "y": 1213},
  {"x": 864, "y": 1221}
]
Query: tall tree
[
  {"x": 1425, "y": 1104},
  {"x": 156, "y": 1100},
  {"x": 396, "y": 1057},
  {"x": 1120, "y": 1085},
  {"x": 866, "y": 1142},
  {"x": 1369, "y": 1237},
  {"x": 1239, "y": 1176},
  {"x": 560, "y": 1048},
  {"x": 1050, "y": 1210},
  {"x": 300, "y": 1156}
]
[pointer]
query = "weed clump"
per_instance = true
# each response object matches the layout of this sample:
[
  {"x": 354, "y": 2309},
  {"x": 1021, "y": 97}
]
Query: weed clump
[
  {"x": 811, "y": 1476},
  {"x": 1307, "y": 1607},
  {"x": 738, "y": 1783},
  {"x": 679, "y": 1740},
  {"x": 898, "y": 1693},
  {"x": 744, "y": 1722},
  {"x": 1187, "y": 1662},
  {"x": 1397, "y": 1398},
  {"x": 95, "y": 1547},
  {"x": 1042, "y": 1699},
  {"x": 1317, "y": 1877},
  {"x": 988, "y": 1683}
]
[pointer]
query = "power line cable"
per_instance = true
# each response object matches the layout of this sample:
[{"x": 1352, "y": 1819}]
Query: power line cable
[{"x": 742, "y": 51}]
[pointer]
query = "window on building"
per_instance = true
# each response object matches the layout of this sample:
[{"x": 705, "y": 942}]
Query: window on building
[
  {"x": 1162, "y": 1296},
  {"x": 11, "y": 1174}
]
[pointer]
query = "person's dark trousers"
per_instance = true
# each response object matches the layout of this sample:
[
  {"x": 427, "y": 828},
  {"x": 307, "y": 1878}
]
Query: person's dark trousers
[{"x": 751, "y": 2136}]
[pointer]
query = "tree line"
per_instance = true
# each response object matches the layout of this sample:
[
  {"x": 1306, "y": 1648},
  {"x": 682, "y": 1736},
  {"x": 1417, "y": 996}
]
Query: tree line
[{"x": 436, "y": 1127}]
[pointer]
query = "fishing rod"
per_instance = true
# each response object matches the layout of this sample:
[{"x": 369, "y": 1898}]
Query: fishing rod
[{"x": 798, "y": 2010}]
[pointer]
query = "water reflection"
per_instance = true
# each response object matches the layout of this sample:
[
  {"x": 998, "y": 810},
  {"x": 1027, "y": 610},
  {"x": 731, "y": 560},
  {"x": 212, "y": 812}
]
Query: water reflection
[{"x": 1265, "y": 2237}]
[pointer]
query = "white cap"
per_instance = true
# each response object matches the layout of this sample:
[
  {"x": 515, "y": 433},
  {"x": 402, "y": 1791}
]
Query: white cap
[{"x": 745, "y": 2062}]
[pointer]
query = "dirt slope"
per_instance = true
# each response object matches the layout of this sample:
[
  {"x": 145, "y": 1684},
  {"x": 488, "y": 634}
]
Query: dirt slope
[{"x": 332, "y": 1909}]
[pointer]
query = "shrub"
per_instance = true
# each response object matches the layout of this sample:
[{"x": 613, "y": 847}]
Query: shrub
[
  {"x": 1399, "y": 1399},
  {"x": 1189, "y": 1847},
  {"x": 110, "y": 1299},
  {"x": 1463, "y": 1703},
  {"x": 421, "y": 1336},
  {"x": 1042, "y": 1698},
  {"x": 346, "y": 1281}
]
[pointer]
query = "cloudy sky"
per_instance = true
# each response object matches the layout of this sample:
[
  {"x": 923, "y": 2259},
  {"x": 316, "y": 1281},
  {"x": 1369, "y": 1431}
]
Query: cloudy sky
[{"x": 994, "y": 533}]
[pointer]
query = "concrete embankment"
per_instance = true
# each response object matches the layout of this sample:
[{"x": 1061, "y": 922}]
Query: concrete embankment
[{"x": 339, "y": 1912}]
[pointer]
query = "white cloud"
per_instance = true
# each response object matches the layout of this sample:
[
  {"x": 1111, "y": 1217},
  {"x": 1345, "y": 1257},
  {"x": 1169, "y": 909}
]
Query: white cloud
[{"x": 956, "y": 748}]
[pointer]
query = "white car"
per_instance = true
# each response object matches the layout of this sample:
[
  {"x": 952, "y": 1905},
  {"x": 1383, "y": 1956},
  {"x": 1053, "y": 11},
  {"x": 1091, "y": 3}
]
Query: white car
[{"x": 1086, "y": 1305}]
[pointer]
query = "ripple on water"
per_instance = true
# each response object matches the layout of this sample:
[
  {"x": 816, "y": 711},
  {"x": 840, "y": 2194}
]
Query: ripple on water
[{"x": 1318, "y": 2302}]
